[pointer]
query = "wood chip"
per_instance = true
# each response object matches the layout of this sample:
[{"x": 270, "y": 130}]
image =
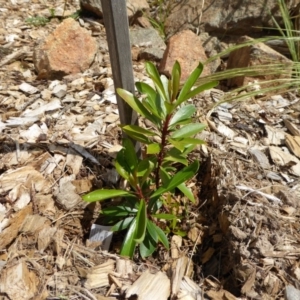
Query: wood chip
[
  {"x": 294, "y": 130},
  {"x": 18, "y": 282},
  {"x": 281, "y": 158},
  {"x": 260, "y": 157},
  {"x": 275, "y": 135},
  {"x": 293, "y": 143},
  {"x": 98, "y": 275},
  {"x": 150, "y": 286}
]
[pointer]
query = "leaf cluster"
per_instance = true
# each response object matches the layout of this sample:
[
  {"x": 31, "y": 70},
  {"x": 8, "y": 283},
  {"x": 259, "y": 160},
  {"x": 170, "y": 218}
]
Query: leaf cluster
[{"x": 164, "y": 166}]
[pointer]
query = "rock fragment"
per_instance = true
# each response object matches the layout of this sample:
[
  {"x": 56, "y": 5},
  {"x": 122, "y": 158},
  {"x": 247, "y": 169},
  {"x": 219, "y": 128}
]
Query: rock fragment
[
  {"x": 185, "y": 47},
  {"x": 69, "y": 49}
]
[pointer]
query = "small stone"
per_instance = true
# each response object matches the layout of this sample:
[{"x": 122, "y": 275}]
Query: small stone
[
  {"x": 291, "y": 293},
  {"x": 60, "y": 90},
  {"x": 27, "y": 88}
]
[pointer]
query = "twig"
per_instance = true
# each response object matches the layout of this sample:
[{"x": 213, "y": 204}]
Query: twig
[{"x": 11, "y": 57}]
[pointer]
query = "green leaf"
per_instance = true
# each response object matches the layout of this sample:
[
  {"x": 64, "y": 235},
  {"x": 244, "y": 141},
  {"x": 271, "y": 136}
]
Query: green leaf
[
  {"x": 104, "y": 194},
  {"x": 125, "y": 167},
  {"x": 129, "y": 243},
  {"x": 154, "y": 75},
  {"x": 119, "y": 211},
  {"x": 130, "y": 154},
  {"x": 180, "y": 177},
  {"x": 164, "y": 175},
  {"x": 155, "y": 204},
  {"x": 186, "y": 191},
  {"x": 160, "y": 105},
  {"x": 200, "y": 89},
  {"x": 135, "y": 104},
  {"x": 189, "y": 84},
  {"x": 153, "y": 148},
  {"x": 138, "y": 133},
  {"x": 183, "y": 144},
  {"x": 185, "y": 112},
  {"x": 123, "y": 224},
  {"x": 141, "y": 220},
  {"x": 152, "y": 231},
  {"x": 176, "y": 158},
  {"x": 137, "y": 136},
  {"x": 179, "y": 232},
  {"x": 165, "y": 83},
  {"x": 144, "y": 169},
  {"x": 188, "y": 130},
  {"x": 176, "y": 74},
  {"x": 162, "y": 237},
  {"x": 148, "y": 246},
  {"x": 165, "y": 216},
  {"x": 145, "y": 88},
  {"x": 138, "y": 129}
]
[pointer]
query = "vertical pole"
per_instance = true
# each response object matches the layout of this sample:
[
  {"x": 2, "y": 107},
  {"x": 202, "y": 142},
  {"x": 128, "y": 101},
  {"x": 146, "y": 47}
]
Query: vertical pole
[{"x": 117, "y": 34}]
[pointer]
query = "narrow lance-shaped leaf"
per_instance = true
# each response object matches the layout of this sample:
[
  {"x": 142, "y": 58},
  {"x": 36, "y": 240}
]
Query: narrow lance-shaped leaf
[
  {"x": 165, "y": 83},
  {"x": 154, "y": 75},
  {"x": 168, "y": 217},
  {"x": 186, "y": 191},
  {"x": 138, "y": 133},
  {"x": 153, "y": 148},
  {"x": 176, "y": 74},
  {"x": 144, "y": 169},
  {"x": 183, "y": 143},
  {"x": 139, "y": 129},
  {"x": 130, "y": 153},
  {"x": 123, "y": 224},
  {"x": 104, "y": 194},
  {"x": 162, "y": 237},
  {"x": 180, "y": 177},
  {"x": 188, "y": 130},
  {"x": 200, "y": 89},
  {"x": 152, "y": 231},
  {"x": 189, "y": 84},
  {"x": 141, "y": 224},
  {"x": 148, "y": 246},
  {"x": 119, "y": 211},
  {"x": 151, "y": 98},
  {"x": 185, "y": 112},
  {"x": 129, "y": 243},
  {"x": 135, "y": 104}
]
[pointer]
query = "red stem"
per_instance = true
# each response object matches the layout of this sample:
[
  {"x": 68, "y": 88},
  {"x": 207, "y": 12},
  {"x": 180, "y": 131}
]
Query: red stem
[{"x": 161, "y": 153}]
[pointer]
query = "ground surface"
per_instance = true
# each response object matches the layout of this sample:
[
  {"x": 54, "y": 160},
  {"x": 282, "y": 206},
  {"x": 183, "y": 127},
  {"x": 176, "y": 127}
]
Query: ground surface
[{"x": 243, "y": 234}]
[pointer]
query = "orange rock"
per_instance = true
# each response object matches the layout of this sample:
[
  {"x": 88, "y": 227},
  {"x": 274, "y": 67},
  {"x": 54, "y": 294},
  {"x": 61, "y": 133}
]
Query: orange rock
[
  {"x": 69, "y": 49},
  {"x": 185, "y": 47}
]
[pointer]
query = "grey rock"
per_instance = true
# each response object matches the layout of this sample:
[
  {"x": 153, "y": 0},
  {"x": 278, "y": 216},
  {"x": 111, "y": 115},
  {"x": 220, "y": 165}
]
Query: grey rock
[
  {"x": 219, "y": 16},
  {"x": 153, "y": 54},
  {"x": 291, "y": 293},
  {"x": 151, "y": 44},
  {"x": 146, "y": 37},
  {"x": 134, "y": 7}
]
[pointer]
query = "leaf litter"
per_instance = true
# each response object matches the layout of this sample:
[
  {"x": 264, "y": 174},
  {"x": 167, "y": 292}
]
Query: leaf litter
[{"x": 58, "y": 140}]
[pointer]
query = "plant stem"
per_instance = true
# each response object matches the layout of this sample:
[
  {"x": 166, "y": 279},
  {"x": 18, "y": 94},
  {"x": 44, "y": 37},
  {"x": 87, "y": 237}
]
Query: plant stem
[{"x": 161, "y": 153}]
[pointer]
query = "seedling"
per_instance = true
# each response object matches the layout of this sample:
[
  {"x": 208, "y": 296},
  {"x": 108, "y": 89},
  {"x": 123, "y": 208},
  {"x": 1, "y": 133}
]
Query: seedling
[{"x": 163, "y": 168}]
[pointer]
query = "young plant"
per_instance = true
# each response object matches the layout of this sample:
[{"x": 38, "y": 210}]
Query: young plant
[{"x": 163, "y": 168}]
